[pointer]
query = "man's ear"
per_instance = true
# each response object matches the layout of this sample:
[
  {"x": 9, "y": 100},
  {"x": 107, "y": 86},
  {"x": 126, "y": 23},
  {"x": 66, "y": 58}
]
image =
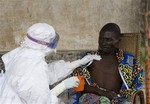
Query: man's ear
[
  {"x": 117, "y": 43},
  {"x": 119, "y": 40}
]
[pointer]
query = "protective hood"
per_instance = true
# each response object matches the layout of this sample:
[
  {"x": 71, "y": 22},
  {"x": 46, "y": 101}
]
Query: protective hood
[{"x": 41, "y": 36}]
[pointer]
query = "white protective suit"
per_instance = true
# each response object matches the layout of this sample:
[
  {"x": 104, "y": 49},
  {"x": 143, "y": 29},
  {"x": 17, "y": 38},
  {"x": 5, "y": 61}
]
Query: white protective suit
[{"x": 28, "y": 76}]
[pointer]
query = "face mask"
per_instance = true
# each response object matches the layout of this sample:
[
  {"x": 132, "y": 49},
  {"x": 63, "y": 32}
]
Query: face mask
[{"x": 53, "y": 42}]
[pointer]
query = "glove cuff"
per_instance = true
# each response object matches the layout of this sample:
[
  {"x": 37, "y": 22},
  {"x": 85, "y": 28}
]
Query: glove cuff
[
  {"x": 58, "y": 89},
  {"x": 74, "y": 64}
]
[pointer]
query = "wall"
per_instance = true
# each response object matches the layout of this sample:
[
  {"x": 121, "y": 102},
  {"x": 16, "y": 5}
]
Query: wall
[{"x": 77, "y": 21}]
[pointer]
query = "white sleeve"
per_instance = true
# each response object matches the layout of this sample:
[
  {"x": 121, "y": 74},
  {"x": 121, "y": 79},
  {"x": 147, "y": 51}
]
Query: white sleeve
[
  {"x": 58, "y": 70},
  {"x": 29, "y": 81},
  {"x": 39, "y": 95},
  {"x": 36, "y": 90},
  {"x": 54, "y": 100}
]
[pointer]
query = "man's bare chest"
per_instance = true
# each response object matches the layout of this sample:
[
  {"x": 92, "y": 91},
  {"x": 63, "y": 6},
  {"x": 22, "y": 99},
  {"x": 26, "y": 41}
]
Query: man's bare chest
[
  {"x": 105, "y": 73},
  {"x": 105, "y": 65},
  {"x": 102, "y": 69}
]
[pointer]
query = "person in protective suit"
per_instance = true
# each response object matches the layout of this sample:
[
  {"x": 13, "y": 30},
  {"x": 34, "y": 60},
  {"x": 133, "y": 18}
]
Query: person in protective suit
[{"x": 28, "y": 76}]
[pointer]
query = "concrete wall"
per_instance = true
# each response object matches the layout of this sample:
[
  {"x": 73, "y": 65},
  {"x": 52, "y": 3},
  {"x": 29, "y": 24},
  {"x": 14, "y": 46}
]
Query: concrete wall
[{"x": 78, "y": 21}]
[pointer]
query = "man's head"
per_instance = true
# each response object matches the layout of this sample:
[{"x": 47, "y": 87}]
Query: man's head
[
  {"x": 41, "y": 36},
  {"x": 109, "y": 37}
]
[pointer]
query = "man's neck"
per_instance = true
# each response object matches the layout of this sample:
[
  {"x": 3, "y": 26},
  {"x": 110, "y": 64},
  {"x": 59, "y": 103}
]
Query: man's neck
[{"x": 113, "y": 53}]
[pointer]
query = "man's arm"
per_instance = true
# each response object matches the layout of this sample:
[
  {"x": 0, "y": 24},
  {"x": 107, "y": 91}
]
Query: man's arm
[
  {"x": 137, "y": 81},
  {"x": 97, "y": 91},
  {"x": 94, "y": 90}
]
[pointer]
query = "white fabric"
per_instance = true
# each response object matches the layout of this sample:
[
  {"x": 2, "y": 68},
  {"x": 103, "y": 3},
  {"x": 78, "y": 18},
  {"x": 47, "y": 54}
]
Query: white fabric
[
  {"x": 83, "y": 61},
  {"x": 66, "y": 84},
  {"x": 40, "y": 31},
  {"x": 28, "y": 77},
  {"x": 58, "y": 89},
  {"x": 57, "y": 69},
  {"x": 71, "y": 82},
  {"x": 89, "y": 58},
  {"x": 74, "y": 64}
]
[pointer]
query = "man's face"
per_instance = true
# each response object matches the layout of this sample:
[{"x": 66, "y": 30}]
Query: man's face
[{"x": 108, "y": 42}]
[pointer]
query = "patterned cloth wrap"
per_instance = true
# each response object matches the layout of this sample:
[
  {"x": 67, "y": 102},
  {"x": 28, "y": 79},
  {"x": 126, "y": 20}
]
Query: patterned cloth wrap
[
  {"x": 131, "y": 73},
  {"x": 90, "y": 98}
]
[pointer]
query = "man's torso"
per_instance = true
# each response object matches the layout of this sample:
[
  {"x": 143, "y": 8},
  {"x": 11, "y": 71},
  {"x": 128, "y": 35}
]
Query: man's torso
[{"x": 105, "y": 73}]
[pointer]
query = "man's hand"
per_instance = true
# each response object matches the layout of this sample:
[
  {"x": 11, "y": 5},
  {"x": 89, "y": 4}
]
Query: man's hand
[
  {"x": 111, "y": 95},
  {"x": 95, "y": 90}
]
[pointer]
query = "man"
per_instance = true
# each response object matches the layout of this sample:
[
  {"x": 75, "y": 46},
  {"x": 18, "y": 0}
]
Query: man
[
  {"x": 28, "y": 76},
  {"x": 115, "y": 77}
]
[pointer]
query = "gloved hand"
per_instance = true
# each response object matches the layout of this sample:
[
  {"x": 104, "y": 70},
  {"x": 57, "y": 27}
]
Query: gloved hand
[
  {"x": 83, "y": 61},
  {"x": 89, "y": 58},
  {"x": 66, "y": 84},
  {"x": 71, "y": 82}
]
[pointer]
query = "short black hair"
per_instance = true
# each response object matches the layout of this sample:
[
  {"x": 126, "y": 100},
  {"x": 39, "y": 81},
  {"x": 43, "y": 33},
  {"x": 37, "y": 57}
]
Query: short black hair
[{"x": 111, "y": 27}]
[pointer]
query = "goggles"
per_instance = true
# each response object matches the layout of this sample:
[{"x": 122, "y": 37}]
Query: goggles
[{"x": 52, "y": 44}]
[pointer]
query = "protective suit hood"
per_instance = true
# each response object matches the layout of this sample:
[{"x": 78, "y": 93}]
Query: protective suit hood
[{"x": 41, "y": 36}]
